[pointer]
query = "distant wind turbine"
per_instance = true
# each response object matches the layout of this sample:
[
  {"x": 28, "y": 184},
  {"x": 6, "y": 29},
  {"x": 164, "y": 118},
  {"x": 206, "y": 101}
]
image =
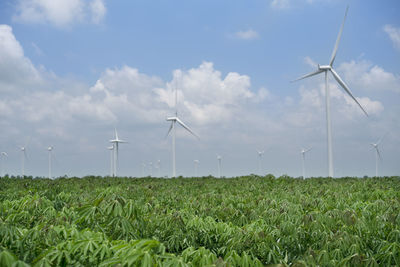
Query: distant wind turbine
[
  {"x": 219, "y": 158},
  {"x": 111, "y": 148},
  {"x": 172, "y": 128},
  {"x": 377, "y": 154},
  {"x": 24, "y": 156},
  {"x": 115, "y": 142},
  {"x": 196, "y": 165},
  {"x": 260, "y": 154},
  {"x": 49, "y": 149},
  {"x": 303, "y": 156},
  {"x": 325, "y": 69},
  {"x": 3, "y": 155}
]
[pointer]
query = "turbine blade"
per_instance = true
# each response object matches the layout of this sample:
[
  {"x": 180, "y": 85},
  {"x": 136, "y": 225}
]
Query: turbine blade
[
  {"x": 170, "y": 128},
  {"x": 308, "y": 75},
  {"x": 380, "y": 140},
  {"x": 338, "y": 39},
  {"x": 27, "y": 142},
  {"x": 308, "y": 149},
  {"x": 346, "y": 88},
  {"x": 379, "y": 154},
  {"x": 187, "y": 128}
]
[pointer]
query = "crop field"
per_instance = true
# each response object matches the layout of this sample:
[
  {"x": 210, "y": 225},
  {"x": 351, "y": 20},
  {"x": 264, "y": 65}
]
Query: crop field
[{"x": 245, "y": 221}]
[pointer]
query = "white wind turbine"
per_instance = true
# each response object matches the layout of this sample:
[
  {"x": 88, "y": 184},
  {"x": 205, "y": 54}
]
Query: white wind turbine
[
  {"x": 111, "y": 148},
  {"x": 326, "y": 69},
  {"x": 196, "y": 165},
  {"x": 260, "y": 154},
  {"x": 49, "y": 149},
  {"x": 172, "y": 128},
  {"x": 377, "y": 154},
  {"x": 219, "y": 158},
  {"x": 115, "y": 143},
  {"x": 23, "y": 157},
  {"x": 3, "y": 156},
  {"x": 303, "y": 164}
]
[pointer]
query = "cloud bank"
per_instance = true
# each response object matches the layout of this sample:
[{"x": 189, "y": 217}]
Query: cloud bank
[{"x": 60, "y": 13}]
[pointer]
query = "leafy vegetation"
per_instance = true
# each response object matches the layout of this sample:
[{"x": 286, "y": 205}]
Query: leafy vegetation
[{"x": 246, "y": 221}]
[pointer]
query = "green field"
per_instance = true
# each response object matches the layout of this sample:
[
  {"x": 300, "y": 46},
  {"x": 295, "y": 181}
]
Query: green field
[{"x": 246, "y": 221}]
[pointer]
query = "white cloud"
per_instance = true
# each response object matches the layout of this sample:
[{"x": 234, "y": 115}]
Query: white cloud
[
  {"x": 280, "y": 4},
  {"x": 394, "y": 34},
  {"x": 250, "y": 34},
  {"x": 13, "y": 63},
  {"x": 98, "y": 11},
  {"x": 205, "y": 96},
  {"x": 367, "y": 76},
  {"x": 309, "y": 61},
  {"x": 60, "y": 13}
]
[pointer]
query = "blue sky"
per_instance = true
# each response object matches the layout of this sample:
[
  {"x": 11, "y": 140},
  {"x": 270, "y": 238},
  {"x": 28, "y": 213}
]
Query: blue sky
[{"x": 72, "y": 70}]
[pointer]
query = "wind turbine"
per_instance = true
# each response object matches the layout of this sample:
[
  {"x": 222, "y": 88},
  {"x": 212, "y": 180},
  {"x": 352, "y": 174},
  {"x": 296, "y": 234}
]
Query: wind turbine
[
  {"x": 49, "y": 149},
  {"x": 111, "y": 148},
  {"x": 23, "y": 157},
  {"x": 325, "y": 69},
  {"x": 115, "y": 143},
  {"x": 219, "y": 158},
  {"x": 196, "y": 164},
  {"x": 172, "y": 128},
  {"x": 260, "y": 154},
  {"x": 4, "y": 155},
  {"x": 377, "y": 154},
  {"x": 303, "y": 156}
]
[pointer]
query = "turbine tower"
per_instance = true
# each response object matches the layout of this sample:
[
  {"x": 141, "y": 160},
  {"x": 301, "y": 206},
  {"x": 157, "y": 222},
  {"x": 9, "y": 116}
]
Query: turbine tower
[
  {"x": 49, "y": 149},
  {"x": 111, "y": 148},
  {"x": 172, "y": 128},
  {"x": 377, "y": 154},
  {"x": 303, "y": 156},
  {"x": 325, "y": 69},
  {"x": 115, "y": 143},
  {"x": 260, "y": 154},
  {"x": 219, "y": 158},
  {"x": 3, "y": 156},
  {"x": 23, "y": 157},
  {"x": 196, "y": 165}
]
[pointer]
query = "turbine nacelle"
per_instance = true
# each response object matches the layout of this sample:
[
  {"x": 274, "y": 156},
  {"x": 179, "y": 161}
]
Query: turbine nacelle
[
  {"x": 172, "y": 118},
  {"x": 324, "y": 67},
  {"x": 50, "y": 148}
]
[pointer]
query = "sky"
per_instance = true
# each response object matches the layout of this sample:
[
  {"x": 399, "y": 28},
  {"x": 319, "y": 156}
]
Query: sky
[{"x": 71, "y": 71}]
